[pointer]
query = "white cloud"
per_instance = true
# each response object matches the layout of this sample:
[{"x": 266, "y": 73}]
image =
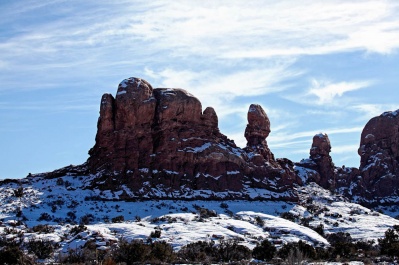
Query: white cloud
[
  {"x": 283, "y": 137},
  {"x": 220, "y": 90},
  {"x": 326, "y": 91},
  {"x": 372, "y": 110}
]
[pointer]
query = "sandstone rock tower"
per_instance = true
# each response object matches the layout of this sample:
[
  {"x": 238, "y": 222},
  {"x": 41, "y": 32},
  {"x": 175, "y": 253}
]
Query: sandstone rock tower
[{"x": 161, "y": 139}]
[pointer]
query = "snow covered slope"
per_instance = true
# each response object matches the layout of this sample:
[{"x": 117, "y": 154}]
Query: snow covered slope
[{"x": 64, "y": 202}]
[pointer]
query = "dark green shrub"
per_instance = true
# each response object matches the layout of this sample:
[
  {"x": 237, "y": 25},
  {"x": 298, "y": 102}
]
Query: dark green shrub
[
  {"x": 201, "y": 251},
  {"x": 319, "y": 229},
  {"x": 14, "y": 255},
  {"x": 86, "y": 219},
  {"x": 230, "y": 250},
  {"x": 131, "y": 252},
  {"x": 264, "y": 251},
  {"x": 288, "y": 216},
  {"x": 389, "y": 245},
  {"x": 161, "y": 252},
  {"x": 19, "y": 192},
  {"x": 77, "y": 229},
  {"x": 156, "y": 233},
  {"x": 297, "y": 249},
  {"x": 41, "y": 248},
  {"x": 118, "y": 219},
  {"x": 45, "y": 217},
  {"x": 45, "y": 229},
  {"x": 259, "y": 221}
]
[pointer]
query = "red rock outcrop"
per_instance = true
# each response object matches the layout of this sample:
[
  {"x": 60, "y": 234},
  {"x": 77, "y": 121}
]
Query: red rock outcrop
[
  {"x": 257, "y": 131},
  {"x": 320, "y": 162},
  {"x": 377, "y": 180},
  {"x": 159, "y": 143},
  {"x": 379, "y": 152}
]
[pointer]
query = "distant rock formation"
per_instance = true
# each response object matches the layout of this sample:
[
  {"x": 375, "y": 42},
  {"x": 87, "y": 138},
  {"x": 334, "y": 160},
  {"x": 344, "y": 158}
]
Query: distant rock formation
[
  {"x": 379, "y": 152},
  {"x": 376, "y": 182},
  {"x": 159, "y": 143},
  {"x": 320, "y": 161}
]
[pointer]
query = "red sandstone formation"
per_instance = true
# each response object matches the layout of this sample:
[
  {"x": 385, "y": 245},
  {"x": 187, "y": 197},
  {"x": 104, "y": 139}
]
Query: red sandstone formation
[
  {"x": 159, "y": 139},
  {"x": 379, "y": 151},
  {"x": 158, "y": 143}
]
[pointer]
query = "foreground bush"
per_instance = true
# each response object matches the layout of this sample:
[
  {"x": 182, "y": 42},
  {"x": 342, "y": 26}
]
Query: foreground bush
[
  {"x": 13, "y": 255},
  {"x": 206, "y": 252},
  {"x": 389, "y": 245},
  {"x": 264, "y": 251},
  {"x": 41, "y": 248}
]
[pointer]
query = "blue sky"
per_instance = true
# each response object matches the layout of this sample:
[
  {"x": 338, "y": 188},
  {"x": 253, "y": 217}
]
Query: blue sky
[{"x": 315, "y": 66}]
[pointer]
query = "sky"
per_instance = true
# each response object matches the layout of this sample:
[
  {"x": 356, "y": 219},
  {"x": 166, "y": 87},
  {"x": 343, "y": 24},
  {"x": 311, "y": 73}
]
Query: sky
[{"x": 314, "y": 66}]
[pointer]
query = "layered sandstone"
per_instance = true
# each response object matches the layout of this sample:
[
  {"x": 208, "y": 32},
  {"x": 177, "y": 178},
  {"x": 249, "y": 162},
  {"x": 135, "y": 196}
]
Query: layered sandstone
[
  {"x": 379, "y": 152},
  {"x": 161, "y": 138}
]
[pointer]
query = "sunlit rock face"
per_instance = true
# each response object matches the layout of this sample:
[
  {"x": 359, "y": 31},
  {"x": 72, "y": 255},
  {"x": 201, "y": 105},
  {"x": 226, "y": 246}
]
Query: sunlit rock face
[
  {"x": 152, "y": 138},
  {"x": 379, "y": 152}
]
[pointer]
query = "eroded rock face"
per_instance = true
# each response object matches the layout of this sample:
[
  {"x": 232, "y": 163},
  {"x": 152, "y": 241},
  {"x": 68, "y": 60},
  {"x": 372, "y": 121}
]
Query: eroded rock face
[
  {"x": 161, "y": 144},
  {"x": 256, "y": 132},
  {"x": 379, "y": 152},
  {"x": 320, "y": 162}
]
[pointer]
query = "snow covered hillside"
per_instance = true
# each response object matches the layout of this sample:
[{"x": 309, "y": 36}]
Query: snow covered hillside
[{"x": 61, "y": 203}]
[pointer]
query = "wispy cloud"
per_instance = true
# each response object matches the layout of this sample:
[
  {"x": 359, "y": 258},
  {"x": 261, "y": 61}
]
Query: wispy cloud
[
  {"x": 220, "y": 90},
  {"x": 281, "y": 138},
  {"x": 369, "y": 111},
  {"x": 325, "y": 91}
]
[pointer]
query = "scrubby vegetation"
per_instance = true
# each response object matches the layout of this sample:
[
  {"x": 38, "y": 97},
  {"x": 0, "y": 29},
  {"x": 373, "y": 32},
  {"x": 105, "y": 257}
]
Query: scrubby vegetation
[{"x": 15, "y": 250}]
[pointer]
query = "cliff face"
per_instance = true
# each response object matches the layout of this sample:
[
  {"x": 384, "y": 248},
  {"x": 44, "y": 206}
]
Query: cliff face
[
  {"x": 158, "y": 143},
  {"x": 161, "y": 139},
  {"x": 379, "y": 152}
]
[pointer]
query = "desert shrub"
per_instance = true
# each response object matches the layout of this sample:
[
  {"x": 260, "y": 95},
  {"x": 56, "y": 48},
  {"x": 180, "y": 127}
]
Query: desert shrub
[
  {"x": 19, "y": 192},
  {"x": 86, "y": 219},
  {"x": 73, "y": 256},
  {"x": 118, "y": 219},
  {"x": 341, "y": 244},
  {"x": 85, "y": 255},
  {"x": 209, "y": 252},
  {"x": 156, "y": 233},
  {"x": 288, "y": 216},
  {"x": 389, "y": 244},
  {"x": 77, "y": 229},
  {"x": 45, "y": 217},
  {"x": 206, "y": 213},
  {"x": 45, "y": 229},
  {"x": 71, "y": 216},
  {"x": 72, "y": 204},
  {"x": 230, "y": 250},
  {"x": 40, "y": 247},
  {"x": 14, "y": 255},
  {"x": 131, "y": 252},
  {"x": 319, "y": 229},
  {"x": 201, "y": 251},
  {"x": 259, "y": 221},
  {"x": 224, "y": 205},
  {"x": 297, "y": 250},
  {"x": 161, "y": 252},
  {"x": 60, "y": 182},
  {"x": 264, "y": 251}
]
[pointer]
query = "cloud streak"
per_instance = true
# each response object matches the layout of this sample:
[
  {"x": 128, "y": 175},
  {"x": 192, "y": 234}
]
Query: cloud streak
[{"x": 326, "y": 92}]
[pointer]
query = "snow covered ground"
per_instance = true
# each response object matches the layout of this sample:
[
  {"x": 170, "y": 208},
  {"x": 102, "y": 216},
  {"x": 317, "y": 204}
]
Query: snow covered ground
[{"x": 64, "y": 202}]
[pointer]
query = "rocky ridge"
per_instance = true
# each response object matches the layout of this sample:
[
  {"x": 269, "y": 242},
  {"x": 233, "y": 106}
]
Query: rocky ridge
[{"x": 158, "y": 143}]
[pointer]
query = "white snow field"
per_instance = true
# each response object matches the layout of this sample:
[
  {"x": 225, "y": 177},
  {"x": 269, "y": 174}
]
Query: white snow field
[{"x": 62, "y": 202}]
